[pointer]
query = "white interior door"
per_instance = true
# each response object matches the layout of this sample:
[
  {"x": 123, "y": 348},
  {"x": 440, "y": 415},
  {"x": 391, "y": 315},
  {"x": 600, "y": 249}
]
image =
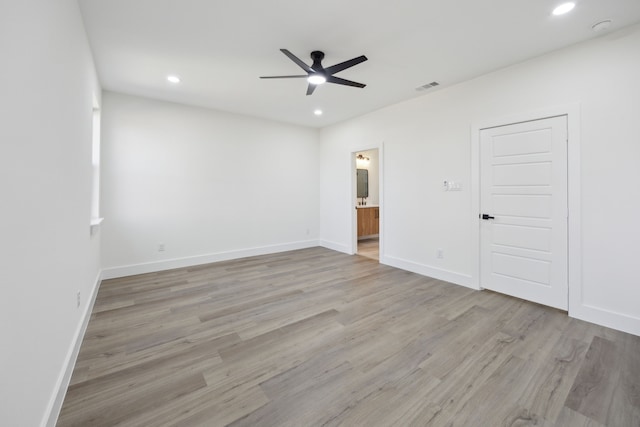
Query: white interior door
[{"x": 523, "y": 199}]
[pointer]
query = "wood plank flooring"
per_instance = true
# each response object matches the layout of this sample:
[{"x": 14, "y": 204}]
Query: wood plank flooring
[
  {"x": 369, "y": 248},
  {"x": 318, "y": 338}
]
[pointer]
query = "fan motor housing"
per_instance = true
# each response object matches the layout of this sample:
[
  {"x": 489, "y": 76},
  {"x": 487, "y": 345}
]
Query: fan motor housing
[{"x": 317, "y": 57}]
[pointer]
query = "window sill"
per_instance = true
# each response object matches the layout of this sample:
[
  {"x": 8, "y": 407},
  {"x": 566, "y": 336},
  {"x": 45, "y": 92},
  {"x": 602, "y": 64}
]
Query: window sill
[{"x": 94, "y": 225}]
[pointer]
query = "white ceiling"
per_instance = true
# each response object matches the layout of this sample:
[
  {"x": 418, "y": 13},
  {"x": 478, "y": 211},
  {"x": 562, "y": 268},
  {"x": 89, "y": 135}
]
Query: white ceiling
[{"x": 219, "y": 48}]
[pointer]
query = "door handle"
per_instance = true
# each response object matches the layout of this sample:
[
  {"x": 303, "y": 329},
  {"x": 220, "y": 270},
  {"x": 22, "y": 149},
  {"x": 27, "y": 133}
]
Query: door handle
[{"x": 486, "y": 216}]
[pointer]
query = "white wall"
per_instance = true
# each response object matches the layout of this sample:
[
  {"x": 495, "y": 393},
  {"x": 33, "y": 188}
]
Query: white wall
[
  {"x": 427, "y": 140},
  {"x": 47, "y": 81},
  {"x": 209, "y": 185}
]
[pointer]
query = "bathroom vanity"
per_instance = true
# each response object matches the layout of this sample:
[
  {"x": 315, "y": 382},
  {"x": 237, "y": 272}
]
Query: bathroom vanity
[{"x": 368, "y": 220}]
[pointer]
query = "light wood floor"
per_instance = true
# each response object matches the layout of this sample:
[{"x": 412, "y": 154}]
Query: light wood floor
[
  {"x": 318, "y": 338},
  {"x": 369, "y": 248}
]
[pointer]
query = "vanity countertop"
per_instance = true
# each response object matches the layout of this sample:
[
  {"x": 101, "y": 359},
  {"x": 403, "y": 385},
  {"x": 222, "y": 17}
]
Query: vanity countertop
[{"x": 367, "y": 206}]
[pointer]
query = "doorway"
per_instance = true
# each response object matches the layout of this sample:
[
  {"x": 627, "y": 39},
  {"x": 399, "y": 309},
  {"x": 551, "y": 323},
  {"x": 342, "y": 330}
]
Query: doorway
[
  {"x": 366, "y": 200},
  {"x": 524, "y": 210}
]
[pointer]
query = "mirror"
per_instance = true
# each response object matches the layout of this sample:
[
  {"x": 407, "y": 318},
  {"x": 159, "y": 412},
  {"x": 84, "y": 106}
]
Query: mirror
[{"x": 363, "y": 182}]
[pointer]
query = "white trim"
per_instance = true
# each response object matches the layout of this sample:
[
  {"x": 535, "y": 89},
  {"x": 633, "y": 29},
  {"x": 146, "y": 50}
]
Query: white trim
[
  {"x": 94, "y": 225},
  {"x": 96, "y": 221},
  {"x": 353, "y": 215},
  {"x": 429, "y": 271},
  {"x": 603, "y": 317},
  {"x": 339, "y": 247},
  {"x": 574, "y": 207},
  {"x": 57, "y": 399},
  {"x": 96, "y": 120},
  {"x": 572, "y": 111},
  {"x": 169, "y": 264},
  {"x": 353, "y": 212},
  {"x": 381, "y": 215}
]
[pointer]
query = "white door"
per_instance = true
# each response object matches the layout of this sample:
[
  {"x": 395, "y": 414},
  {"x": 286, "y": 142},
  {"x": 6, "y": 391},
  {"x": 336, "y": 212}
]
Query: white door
[{"x": 523, "y": 199}]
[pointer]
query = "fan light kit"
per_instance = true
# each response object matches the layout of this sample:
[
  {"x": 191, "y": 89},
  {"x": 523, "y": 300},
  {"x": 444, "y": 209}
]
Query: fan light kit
[
  {"x": 317, "y": 74},
  {"x": 317, "y": 79},
  {"x": 564, "y": 8}
]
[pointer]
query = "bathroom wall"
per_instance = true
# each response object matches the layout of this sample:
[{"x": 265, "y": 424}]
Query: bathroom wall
[{"x": 374, "y": 177}]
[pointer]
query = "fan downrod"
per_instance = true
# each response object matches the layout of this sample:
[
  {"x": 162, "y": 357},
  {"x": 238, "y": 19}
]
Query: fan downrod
[{"x": 317, "y": 57}]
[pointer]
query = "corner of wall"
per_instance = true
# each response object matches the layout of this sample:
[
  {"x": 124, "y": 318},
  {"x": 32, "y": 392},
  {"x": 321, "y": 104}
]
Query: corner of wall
[
  {"x": 602, "y": 317},
  {"x": 429, "y": 271},
  {"x": 339, "y": 247},
  {"x": 57, "y": 399}
]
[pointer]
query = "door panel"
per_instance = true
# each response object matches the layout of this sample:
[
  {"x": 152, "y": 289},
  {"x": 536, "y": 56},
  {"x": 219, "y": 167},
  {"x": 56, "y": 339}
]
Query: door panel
[
  {"x": 533, "y": 142},
  {"x": 526, "y": 206},
  {"x": 522, "y": 174},
  {"x": 522, "y": 236},
  {"x": 524, "y": 268},
  {"x": 523, "y": 249}
]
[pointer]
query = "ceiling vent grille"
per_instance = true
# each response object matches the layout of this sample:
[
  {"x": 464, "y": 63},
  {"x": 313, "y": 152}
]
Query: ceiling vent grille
[{"x": 427, "y": 86}]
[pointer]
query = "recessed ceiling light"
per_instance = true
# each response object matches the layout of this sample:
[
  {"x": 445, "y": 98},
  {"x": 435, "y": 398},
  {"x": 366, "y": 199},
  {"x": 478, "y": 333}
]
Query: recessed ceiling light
[
  {"x": 173, "y": 79},
  {"x": 316, "y": 79},
  {"x": 564, "y": 8},
  {"x": 318, "y": 112}
]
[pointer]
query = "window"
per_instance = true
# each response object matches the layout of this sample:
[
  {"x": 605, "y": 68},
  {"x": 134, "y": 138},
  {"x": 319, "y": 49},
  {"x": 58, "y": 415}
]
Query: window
[{"x": 95, "y": 168}]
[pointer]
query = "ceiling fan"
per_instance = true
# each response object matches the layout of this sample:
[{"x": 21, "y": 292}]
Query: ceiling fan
[{"x": 317, "y": 74}]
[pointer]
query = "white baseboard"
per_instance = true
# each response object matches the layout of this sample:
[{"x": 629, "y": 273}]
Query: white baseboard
[
  {"x": 339, "y": 247},
  {"x": 429, "y": 271},
  {"x": 55, "y": 404},
  {"x": 369, "y": 236},
  {"x": 607, "y": 318},
  {"x": 152, "y": 267}
]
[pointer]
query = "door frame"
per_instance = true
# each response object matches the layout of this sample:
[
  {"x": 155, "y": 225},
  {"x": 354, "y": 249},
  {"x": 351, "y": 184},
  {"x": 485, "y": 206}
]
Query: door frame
[
  {"x": 353, "y": 228},
  {"x": 574, "y": 237}
]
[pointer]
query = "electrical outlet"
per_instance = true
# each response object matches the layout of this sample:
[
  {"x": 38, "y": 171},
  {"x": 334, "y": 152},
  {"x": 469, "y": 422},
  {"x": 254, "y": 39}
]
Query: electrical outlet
[
  {"x": 440, "y": 253},
  {"x": 307, "y": 231},
  {"x": 78, "y": 300},
  {"x": 160, "y": 247}
]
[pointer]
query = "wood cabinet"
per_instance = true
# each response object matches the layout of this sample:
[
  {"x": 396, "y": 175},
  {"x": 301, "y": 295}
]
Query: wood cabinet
[{"x": 368, "y": 221}]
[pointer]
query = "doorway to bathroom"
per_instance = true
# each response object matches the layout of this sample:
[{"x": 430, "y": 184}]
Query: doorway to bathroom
[{"x": 366, "y": 168}]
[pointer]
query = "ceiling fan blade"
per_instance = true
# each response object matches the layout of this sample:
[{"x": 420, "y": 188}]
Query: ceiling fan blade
[
  {"x": 310, "y": 89},
  {"x": 344, "y": 65},
  {"x": 297, "y": 60},
  {"x": 284, "y": 77},
  {"x": 338, "y": 80}
]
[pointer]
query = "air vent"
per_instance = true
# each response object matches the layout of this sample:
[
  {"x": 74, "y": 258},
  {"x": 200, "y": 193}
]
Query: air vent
[{"x": 428, "y": 86}]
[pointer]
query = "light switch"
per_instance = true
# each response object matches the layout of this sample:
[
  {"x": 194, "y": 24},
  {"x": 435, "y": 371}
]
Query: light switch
[{"x": 452, "y": 185}]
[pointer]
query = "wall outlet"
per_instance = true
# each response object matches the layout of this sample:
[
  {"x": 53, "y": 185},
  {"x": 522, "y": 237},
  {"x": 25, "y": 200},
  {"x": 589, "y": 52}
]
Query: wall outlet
[
  {"x": 307, "y": 231},
  {"x": 440, "y": 253},
  {"x": 78, "y": 300},
  {"x": 160, "y": 247}
]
